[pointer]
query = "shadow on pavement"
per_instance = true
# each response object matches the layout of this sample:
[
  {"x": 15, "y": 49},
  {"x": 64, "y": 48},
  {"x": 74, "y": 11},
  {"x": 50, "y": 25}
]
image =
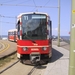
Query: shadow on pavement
[
  {"x": 55, "y": 55},
  {"x": 41, "y": 67}
]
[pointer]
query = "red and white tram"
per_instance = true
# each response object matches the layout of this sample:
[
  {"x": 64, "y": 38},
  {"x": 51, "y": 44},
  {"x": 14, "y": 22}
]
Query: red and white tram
[
  {"x": 12, "y": 35},
  {"x": 34, "y": 42}
]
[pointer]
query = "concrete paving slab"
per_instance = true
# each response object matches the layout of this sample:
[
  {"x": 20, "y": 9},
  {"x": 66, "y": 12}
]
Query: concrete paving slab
[{"x": 59, "y": 64}]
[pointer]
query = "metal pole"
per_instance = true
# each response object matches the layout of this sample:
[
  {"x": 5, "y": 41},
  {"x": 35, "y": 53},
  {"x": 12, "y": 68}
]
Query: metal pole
[
  {"x": 72, "y": 41},
  {"x": 58, "y": 23},
  {"x": 0, "y": 28}
]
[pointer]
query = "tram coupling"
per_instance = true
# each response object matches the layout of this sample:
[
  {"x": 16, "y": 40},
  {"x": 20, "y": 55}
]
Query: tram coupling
[{"x": 35, "y": 58}]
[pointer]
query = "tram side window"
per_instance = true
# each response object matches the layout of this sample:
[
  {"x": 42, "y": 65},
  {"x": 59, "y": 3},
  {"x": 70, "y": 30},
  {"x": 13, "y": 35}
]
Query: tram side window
[
  {"x": 14, "y": 32},
  {"x": 18, "y": 25},
  {"x": 10, "y": 33},
  {"x": 50, "y": 23},
  {"x": 18, "y": 28}
]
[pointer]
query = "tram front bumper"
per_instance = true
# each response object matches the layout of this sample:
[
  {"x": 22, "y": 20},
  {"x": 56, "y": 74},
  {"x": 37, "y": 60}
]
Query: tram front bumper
[{"x": 35, "y": 57}]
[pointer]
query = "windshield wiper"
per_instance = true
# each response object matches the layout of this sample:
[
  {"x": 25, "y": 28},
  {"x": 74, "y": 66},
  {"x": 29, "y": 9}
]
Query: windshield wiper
[{"x": 29, "y": 38}]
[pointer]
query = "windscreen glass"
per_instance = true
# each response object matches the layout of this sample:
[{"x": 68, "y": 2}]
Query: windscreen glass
[{"x": 34, "y": 26}]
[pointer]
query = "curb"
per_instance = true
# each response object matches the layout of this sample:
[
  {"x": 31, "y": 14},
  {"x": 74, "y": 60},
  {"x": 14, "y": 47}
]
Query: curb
[{"x": 8, "y": 55}]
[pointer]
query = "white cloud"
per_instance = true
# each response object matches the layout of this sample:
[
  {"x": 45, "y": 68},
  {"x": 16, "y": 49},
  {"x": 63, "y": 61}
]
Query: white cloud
[
  {"x": 62, "y": 30},
  {"x": 55, "y": 29}
]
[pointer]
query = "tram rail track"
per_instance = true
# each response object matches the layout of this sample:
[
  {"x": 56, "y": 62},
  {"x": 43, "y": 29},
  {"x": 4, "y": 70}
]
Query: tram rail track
[
  {"x": 36, "y": 68},
  {"x": 30, "y": 72},
  {"x": 9, "y": 67}
]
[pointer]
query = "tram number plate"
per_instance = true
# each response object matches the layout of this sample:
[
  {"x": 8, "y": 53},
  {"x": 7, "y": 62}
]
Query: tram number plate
[{"x": 34, "y": 49}]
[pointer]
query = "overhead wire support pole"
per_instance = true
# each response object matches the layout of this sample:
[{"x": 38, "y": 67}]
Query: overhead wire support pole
[
  {"x": 58, "y": 23},
  {"x": 0, "y": 27},
  {"x": 72, "y": 40}
]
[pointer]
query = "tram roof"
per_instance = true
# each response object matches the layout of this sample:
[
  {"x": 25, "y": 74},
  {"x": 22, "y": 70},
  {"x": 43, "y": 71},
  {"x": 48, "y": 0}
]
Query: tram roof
[{"x": 32, "y": 13}]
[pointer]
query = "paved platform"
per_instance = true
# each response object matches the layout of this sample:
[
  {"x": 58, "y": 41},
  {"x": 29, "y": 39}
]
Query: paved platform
[{"x": 59, "y": 64}]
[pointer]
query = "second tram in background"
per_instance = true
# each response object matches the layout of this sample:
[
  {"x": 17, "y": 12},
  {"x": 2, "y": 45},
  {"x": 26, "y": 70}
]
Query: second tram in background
[
  {"x": 12, "y": 35},
  {"x": 34, "y": 31}
]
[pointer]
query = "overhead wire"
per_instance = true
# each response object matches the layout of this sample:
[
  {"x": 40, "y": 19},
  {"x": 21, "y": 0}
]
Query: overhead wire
[
  {"x": 46, "y": 2},
  {"x": 24, "y": 5},
  {"x": 28, "y": 5},
  {"x": 7, "y": 16},
  {"x": 7, "y": 22},
  {"x": 34, "y": 2},
  {"x": 35, "y": 5}
]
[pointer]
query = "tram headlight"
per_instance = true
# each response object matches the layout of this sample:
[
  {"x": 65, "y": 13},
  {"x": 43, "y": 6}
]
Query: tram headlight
[
  {"x": 44, "y": 48},
  {"x": 25, "y": 48}
]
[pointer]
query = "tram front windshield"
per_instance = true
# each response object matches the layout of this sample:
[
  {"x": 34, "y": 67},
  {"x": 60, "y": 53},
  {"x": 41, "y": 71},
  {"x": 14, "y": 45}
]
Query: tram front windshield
[{"x": 34, "y": 27}]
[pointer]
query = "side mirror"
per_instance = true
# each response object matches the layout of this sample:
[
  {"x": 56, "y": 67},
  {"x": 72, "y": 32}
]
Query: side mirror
[
  {"x": 18, "y": 26},
  {"x": 50, "y": 22}
]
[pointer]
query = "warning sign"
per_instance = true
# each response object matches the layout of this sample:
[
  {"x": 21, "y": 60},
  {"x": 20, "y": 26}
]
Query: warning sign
[{"x": 73, "y": 11}]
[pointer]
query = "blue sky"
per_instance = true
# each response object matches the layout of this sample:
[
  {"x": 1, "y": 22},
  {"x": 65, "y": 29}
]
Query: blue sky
[{"x": 7, "y": 23}]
